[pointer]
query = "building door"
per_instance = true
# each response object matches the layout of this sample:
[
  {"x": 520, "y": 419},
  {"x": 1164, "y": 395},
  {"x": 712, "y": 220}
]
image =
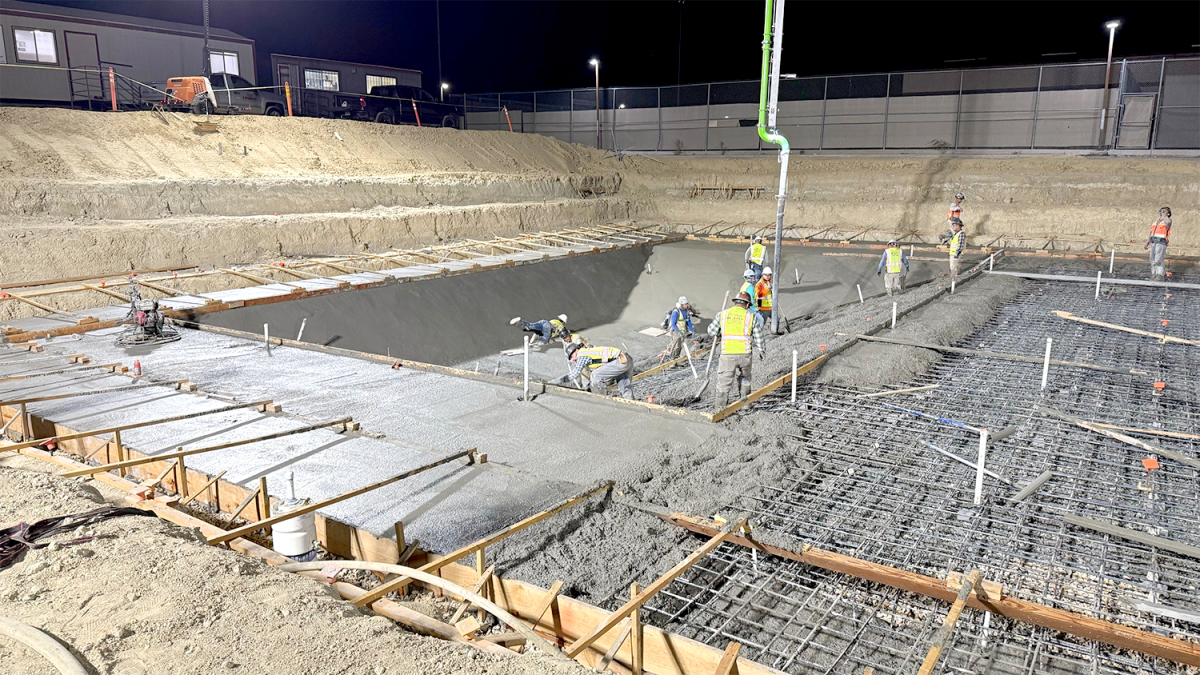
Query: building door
[
  {"x": 83, "y": 58},
  {"x": 291, "y": 74},
  {"x": 1136, "y": 121}
]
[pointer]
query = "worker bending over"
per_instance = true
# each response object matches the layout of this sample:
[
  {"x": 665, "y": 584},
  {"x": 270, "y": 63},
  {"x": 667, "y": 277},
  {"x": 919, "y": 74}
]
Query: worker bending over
[
  {"x": 679, "y": 320},
  {"x": 762, "y": 294},
  {"x": 1160, "y": 235},
  {"x": 737, "y": 326},
  {"x": 554, "y": 329},
  {"x": 607, "y": 365},
  {"x": 755, "y": 255},
  {"x": 957, "y": 240},
  {"x": 897, "y": 267}
]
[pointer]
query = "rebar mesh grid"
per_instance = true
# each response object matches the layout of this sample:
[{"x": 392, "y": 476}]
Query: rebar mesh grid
[{"x": 872, "y": 487}]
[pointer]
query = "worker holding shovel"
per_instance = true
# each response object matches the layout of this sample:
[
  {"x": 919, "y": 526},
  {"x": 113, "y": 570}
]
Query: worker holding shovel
[
  {"x": 678, "y": 321},
  {"x": 897, "y": 267},
  {"x": 737, "y": 327}
]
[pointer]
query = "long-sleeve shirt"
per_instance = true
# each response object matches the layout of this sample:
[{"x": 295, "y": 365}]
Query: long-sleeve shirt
[
  {"x": 884, "y": 259},
  {"x": 577, "y": 367},
  {"x": 715, "y": 329},
  {"x": 673, "y": 321}
]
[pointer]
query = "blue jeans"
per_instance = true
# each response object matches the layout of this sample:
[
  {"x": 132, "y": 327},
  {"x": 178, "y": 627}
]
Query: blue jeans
[
  {"x": 542, "y": 327},
  {"x": 757, "y": 269}
]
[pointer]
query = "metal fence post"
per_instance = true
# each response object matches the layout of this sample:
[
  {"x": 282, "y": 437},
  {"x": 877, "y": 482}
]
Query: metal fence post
[
  {"x": 1037, "y": 99},
  {"x": 1158, "y": 106},
  {"x": 824, "y": 105},
  {"x": 1119, "y": 108},
  {"x": 658, "y": 147},
  {"x": 707, "y": 115},
  {"x": 958, "y": 112},
  {"x": 887, "y": 109}
]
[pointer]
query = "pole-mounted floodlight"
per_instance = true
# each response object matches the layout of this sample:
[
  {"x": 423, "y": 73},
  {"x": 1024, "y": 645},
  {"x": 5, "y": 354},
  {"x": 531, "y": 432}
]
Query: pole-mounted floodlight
[
  {"x": 445, "y": 86},
  {"x": 1112, "y": 35},
  {"x": 595, "y": 63}
]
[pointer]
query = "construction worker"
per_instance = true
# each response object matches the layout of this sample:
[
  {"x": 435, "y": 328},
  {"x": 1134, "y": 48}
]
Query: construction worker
[
  {"x": 762, "y": 294},
  {"x": 957, "y": 240},
  {"x": 956, "y": 207},
  {"x": 679, "y": 320},
  {"x": 897, "y": 267},
  {"x": 554, "y": 329},
  {"x": 737, "y": 328},
  {"x": 750, "y": 288},
  {"x": 1160, "y": 235},
  {"x": 755, "y": 255},
  {"x": 607, "y": 365}
]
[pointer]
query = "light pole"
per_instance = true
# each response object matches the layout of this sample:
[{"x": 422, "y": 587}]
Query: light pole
[
  {"x": 442, "y": 93},
  {"x": 596, "y": 64},
  {"x": 1112, "y": 35}
]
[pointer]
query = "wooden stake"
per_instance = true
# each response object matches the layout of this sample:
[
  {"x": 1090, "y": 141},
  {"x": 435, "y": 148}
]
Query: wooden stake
[
  {"x": 636, "y": 645},
  {"x": 253, "y": 496},
  {"x": 485, "y": 587},
  {"x": 181, "y": 486},
  {"x": 660, "y": 583},
  {"x": 549, "y": 601},
  {"x": 400, "y": 543},
  {"x": 943, "y": 635},
  {"x": 483, "y": 581},
  {"x": 264, "y": 503},
  {"x": 728, "y": 664},
  {"x": 116, "y": 440}
]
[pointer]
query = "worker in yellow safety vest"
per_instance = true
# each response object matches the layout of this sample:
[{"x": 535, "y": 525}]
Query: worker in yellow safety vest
[
  {"x": 755, "y": 255},
  {"x": 553, "y": 329},
  {"x": 762, "y": 294},
  {"x": 737, "y": 328},
  {"x": 607, "y": 366},
  {"x": 897, "y": 267},
  {"x": 1160, "y": 236},
  {"x": 957, "y": 241}
]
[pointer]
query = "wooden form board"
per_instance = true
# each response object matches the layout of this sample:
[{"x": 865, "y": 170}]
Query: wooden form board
[{"x": 1078, "y": 625}]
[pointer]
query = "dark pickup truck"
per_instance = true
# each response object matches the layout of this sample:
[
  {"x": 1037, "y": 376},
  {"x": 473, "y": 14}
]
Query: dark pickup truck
[{"x": 394, "y": 104}]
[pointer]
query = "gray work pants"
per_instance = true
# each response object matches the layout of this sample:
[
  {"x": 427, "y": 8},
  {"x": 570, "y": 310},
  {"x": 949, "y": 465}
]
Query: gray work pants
[
  {"x": 733, "y": 372},
  {"x": 614, "y": 372},
  {"x": 676, "y": 348},
  {"x": 1158, "y": 259},
  {"x": 955, "y": 265},
  {"x": 893, "y": 282}
]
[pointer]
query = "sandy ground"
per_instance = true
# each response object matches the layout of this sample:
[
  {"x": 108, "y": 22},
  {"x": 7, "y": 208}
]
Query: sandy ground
[{"x": 208, "y": 610}]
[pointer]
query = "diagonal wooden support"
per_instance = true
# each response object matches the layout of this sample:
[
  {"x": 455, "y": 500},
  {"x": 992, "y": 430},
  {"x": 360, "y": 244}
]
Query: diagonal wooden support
[
  {"x": 942, "y": 638},
  {"x": 242, "y": 531},
  {"x": 204, "y": 487},
  {"x": 399, "y": 583},
  {"x": 615, "y": 647},
  {"x": 135, "y": 425},
  {"x": 1125, "y": 329},
  {"x": 660, "y": 583},
  {"x": 196, "y": 451},
  {"x": 728, "y": 664},
  {"x": 477, "y": 590}
]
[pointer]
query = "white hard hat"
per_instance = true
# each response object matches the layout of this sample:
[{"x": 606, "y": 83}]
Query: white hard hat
[
  {"x": 758, "y": 237},
  {"x": 562, "y": 318},
  {"x": 683, "y": 300},
  {"x": 767, "y": 271},
  {"x": 748, "y": 274}
]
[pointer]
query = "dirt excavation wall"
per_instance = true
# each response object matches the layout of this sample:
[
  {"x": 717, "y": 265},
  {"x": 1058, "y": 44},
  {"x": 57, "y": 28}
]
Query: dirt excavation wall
[
  {"x": 142, "y": 190},
  {"x": 449, "y": 320}
]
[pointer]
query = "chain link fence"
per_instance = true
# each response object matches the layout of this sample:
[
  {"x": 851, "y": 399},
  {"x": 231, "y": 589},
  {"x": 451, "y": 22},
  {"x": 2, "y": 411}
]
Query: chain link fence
[{"x": 1152, "y": 104}]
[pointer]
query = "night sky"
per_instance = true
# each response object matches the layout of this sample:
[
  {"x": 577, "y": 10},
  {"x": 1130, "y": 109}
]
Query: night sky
[{"x": 502, "y": 45}]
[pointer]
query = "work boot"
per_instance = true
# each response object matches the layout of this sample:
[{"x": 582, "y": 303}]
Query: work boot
[{"x": 745, "y": 387}]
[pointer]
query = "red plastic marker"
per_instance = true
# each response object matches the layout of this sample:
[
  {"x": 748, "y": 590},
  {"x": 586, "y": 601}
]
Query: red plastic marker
[
  {"x": 137, "y": 368},
  {"x": 1150, "y": 463}
]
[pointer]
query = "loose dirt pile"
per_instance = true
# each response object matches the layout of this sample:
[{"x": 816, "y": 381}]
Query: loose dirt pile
[{"x": 149, "y": 597}]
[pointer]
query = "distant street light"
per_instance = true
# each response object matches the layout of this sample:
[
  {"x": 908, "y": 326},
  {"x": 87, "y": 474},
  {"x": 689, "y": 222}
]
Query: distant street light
[
  {"x": 1112, "y": 35},
  {"x": 445, "y": 86},
  {"x": 595, "y": 63}
]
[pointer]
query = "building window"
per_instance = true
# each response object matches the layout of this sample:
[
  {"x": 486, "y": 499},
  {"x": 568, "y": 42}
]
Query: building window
[
  {"x": 321, "y": 79},
  {"x": 224, "y": 62},
  {"x": 35, "y": 45},
  {"x": 379, "y": 81}
]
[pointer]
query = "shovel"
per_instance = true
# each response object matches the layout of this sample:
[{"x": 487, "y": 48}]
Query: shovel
[{"x": 711, "y": 352}]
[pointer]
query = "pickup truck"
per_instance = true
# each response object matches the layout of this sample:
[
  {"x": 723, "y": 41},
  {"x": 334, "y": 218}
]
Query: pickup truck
[
  {"x": 231, "y": 94},
  {"x": 393, "y": 104}
]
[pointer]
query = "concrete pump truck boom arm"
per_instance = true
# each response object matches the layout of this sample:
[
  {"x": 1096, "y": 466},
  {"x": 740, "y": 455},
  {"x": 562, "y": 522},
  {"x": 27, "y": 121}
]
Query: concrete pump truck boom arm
[{"x": 768, "y": 107}]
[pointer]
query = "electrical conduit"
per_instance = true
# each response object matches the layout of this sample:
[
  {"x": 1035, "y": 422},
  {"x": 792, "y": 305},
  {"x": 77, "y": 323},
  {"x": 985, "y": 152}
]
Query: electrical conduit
[{"x": 768, "y": 107}]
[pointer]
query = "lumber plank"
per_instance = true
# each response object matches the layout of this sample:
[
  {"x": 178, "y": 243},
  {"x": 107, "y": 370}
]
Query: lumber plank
[
  {"x": 1126, "y": 329},
  {"x": 1053, "y": 618},
  {"x": 395, "y": 584},
  {"x": 998, "y": 355},
  {"x": 652, "y": 590},
  {"x": 728, "y": 664},
  {"x": 1148, "y": 447},
  {"x": 942, "y": 638}
]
